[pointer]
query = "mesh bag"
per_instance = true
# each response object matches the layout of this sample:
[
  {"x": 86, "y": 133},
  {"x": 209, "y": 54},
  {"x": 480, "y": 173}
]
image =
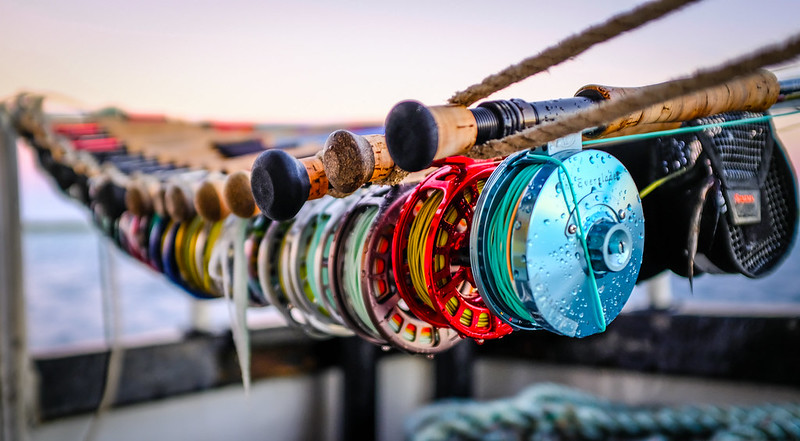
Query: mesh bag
[{"x": 729, "y": 204}]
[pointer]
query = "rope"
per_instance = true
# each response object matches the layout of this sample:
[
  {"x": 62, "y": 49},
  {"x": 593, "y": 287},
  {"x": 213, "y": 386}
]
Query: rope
[
  {"x": 610, "y": 110},
  {"x": 549, "y": 411},
  {"x": 568, "y": 48}
]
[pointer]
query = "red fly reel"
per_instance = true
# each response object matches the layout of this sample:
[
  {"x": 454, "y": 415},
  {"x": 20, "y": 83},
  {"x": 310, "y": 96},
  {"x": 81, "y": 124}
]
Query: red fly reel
[{"x": 430, "y": 250}]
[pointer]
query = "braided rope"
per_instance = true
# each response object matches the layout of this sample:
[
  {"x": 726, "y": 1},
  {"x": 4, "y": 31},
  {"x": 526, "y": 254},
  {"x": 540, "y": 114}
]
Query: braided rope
[
  {"x": 568, "y": 48},
  {"x": 610, "y": 110},
  {"x": 550, "y": 411}
]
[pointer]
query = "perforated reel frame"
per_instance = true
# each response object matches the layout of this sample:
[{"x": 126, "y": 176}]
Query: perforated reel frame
[
  {"x": 297, "y": 246},
  {"x": 269, "y": 275},
  {"x": 448, "y": 275},
  {"x": 388, "y": 311},
  {"x": 337, "y": 261},
  {"x": 323, "y": 253}
]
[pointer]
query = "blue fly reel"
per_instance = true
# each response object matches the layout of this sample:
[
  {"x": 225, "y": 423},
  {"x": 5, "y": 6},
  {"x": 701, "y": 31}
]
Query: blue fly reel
[{"x": 557, "y": 241}]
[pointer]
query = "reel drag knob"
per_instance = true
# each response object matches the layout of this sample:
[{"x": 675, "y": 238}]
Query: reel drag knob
[{"x": 610, "y": 246}]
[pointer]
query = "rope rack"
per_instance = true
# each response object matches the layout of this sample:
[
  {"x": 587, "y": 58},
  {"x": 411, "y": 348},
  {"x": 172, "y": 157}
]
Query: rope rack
[{"x": 451, "y": 223}]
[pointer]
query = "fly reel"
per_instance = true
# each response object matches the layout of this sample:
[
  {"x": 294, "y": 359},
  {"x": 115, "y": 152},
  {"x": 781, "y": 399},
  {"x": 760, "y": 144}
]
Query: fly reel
[
  {"x": 176, "y": 258},
  {"x": 558, "y": 241},
  {"x": 348, "y": 250},
  {"x": 389, "y": 313},
  {"x": 299, "y": 268},
  {"x": 256, "y": 228},
  {"x": 274, "y": 280},
  {"x": 322, "y": 245},
  {"x": 431, "y": 240}
]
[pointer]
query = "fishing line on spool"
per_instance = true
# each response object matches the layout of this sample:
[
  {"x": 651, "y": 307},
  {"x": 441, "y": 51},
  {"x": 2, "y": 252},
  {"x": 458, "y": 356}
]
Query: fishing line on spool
[
  {"x": 323, "y": 259},
  {"x": 388, "y": 312},
  {"x": 273, "y": 278},
  {"x": 499, "y": 240},
  {"x": 543, "y": 240},
  {"x": 257, "y": 227},
  {"x": 298, "y": 241},
  {"x": 434, "y": 276},
  {"x": 351, "y": 276}
]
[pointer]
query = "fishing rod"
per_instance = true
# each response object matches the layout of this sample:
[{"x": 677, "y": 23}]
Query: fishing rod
[{"x": 416, "y": 134}]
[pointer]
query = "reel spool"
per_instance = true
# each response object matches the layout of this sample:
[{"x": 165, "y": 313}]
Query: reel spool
[
  {"x": 558, "y": 241},
  {"x": 173, "y": 259},
  {"x": 274, "y": 282},
  {"x": 133, "y": 235},
  {"x": 158, "y": 226},
  {"x": 206, "y": 240},
  {"x": 344, "y": 267},
  {"x": 388, "y": 312},
  {"x": 330, "y": 222},
  {"x": 431, "y": 239},
  {"x": 299, "y": 270},
  {"x": 256, "y": 228}
]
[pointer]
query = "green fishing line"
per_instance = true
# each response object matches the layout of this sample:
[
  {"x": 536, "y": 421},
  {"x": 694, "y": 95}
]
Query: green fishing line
[
  {"x": 498, "y": 246},
  {"x": 597, "y": 305},
  {"x": 310, "y": 286},
  {"x": 682, "y": 130},
  {"x": 351, "y": 273}
]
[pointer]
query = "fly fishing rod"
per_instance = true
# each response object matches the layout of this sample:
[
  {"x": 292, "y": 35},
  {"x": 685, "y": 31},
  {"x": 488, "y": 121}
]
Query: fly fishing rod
[{"x": 416, "y": 134}]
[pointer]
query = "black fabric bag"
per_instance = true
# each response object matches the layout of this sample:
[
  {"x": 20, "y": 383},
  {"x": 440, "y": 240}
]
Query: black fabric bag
[{"x": 727, "y": 202}]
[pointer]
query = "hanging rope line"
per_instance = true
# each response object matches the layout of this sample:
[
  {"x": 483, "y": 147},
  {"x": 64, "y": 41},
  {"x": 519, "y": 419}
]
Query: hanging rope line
[
  {"x": 549, "y": 411},
  {"x": 610, "y": 110},
  {"x": 568, "y": 48}
]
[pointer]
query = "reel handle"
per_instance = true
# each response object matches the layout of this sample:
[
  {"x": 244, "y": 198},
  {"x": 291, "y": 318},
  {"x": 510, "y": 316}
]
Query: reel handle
[
  {"x": 418, "y": 135},
  {"x": 281, "y": 183},
  {"x": 757, "y": 93},
  {"x": 209, "y": 201},
  {"x": 179, "y": 200},
  {"x": 238, "y": 195},
  {"x": 141, "y": 196},
  {"x": 352, "y": 160}
]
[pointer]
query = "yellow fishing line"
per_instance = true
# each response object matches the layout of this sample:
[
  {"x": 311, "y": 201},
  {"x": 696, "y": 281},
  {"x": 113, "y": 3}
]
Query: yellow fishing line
[
  {"x": 659, "y": 182},
  {"x": 416, "y": 245},
  {"x": 213, "y": 235}
]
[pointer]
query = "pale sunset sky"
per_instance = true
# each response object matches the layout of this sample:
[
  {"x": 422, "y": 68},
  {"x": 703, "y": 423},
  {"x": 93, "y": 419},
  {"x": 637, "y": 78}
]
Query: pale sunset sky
[{"x": 314, "y": 61}]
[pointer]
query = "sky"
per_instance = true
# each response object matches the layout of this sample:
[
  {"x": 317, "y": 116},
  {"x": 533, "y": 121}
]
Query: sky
[{"x": 316, "y": 61}]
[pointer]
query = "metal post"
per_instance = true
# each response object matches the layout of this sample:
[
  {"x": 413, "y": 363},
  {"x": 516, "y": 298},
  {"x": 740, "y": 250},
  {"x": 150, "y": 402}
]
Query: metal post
[
  {"x": 200, "y": 317},
  {"x": 454, "y": 371},
  {"x": 13, "y": 350},
  {"x": 358, "y": 363},
  {"x": 659, "y": 291}
]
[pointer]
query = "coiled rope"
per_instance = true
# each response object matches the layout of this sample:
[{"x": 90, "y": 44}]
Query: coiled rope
[
  {"x": 568, "y": 48},
  {"x": 610, "y": 110},
  {"x": 549, "y": 411}
]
